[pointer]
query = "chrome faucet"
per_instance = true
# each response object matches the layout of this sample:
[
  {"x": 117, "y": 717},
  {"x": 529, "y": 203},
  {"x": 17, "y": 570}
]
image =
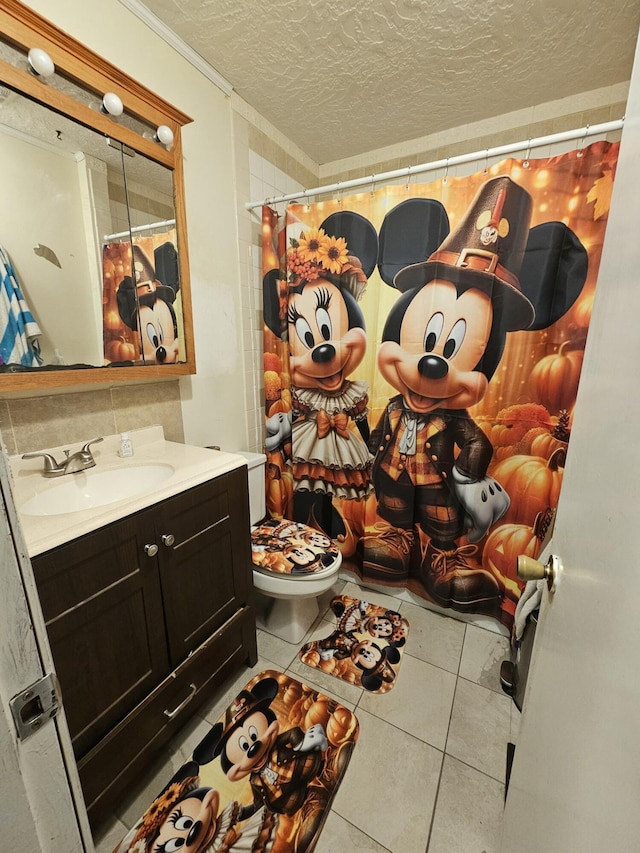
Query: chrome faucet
[{"x": 79, "y": 461}]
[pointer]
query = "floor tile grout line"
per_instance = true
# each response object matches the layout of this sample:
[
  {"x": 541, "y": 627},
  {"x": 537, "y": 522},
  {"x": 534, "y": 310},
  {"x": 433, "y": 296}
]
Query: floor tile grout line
[
  {"x": 464, "y": 639},
  {"x": 446, "y": 742},
  {"x": 403, "y": 731},
  {"x": 357, "y": 828},
  {"x": 484, "y": 687},
  {"x": 435, "y": 804},
  {"x": 477, "y": 769},
  {"x": 436, "y": 665}
]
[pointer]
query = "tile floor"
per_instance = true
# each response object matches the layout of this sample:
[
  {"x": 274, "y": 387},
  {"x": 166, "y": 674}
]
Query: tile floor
[{"x": 428, "y": 772}]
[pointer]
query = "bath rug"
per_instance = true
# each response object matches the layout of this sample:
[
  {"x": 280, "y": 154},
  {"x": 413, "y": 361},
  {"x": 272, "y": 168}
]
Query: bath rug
[
  {"x": 262, "y": 780},
  {"x": 290, "y": 548},
  {"x": 366, "y": 647}
]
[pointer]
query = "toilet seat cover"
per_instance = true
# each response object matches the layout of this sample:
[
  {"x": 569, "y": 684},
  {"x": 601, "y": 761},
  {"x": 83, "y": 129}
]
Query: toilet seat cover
[{"x": 290, "y": 548}]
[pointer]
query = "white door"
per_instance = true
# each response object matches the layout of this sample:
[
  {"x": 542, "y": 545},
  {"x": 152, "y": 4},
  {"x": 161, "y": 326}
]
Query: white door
[
  {"x": 575, "y": 783},
  {"x": 39, "y": 785}
]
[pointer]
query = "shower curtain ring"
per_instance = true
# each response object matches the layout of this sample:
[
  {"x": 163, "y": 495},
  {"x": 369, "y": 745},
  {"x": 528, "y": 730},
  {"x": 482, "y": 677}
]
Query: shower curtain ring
[
  {"x": 339, "y": 191},
  {"x": 584, "y": 136},
  {"x": 373, "y": 186},
  {"x": 446, "y": 172},
  {"x": 485, "y": 171},
  {"x": 406, "y": 186},
  {"x": 525, "y": 162}
]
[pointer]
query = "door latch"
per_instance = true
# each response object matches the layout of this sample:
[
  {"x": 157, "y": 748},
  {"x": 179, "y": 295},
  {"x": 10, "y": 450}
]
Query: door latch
[{"x": 35, "y": 705}]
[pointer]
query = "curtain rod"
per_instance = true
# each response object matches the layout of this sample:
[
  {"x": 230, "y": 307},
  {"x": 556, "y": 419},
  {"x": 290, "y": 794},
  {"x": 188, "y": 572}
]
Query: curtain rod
[
  {"x": 165, "y": 222},
  {"x": 500, "y": 150}
]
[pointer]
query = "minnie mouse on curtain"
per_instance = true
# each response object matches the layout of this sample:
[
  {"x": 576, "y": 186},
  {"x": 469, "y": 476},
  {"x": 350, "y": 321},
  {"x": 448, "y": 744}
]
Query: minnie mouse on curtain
[{"x": 423, "y": 346}]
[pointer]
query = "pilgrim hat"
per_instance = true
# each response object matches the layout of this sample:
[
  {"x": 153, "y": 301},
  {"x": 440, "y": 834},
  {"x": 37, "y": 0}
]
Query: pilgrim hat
[
  {"x": 143, "y": 289},
  {"x": 485, "y": 250}
]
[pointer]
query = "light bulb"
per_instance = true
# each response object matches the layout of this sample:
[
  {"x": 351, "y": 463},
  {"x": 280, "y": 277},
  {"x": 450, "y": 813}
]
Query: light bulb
[
  {"x": 164, "y": 135},
  {"x": 40, "y": 62},
  {"x": 112, "y": 104}
]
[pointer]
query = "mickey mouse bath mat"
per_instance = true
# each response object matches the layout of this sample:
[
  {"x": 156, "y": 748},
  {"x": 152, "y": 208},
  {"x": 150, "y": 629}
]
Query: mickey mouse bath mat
[
  {"x": 366, "y": 647},
  {"x": 262, "y": 780}
]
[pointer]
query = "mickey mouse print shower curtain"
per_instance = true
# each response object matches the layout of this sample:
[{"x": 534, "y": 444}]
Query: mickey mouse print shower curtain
[{"x": 422, "y": 351}]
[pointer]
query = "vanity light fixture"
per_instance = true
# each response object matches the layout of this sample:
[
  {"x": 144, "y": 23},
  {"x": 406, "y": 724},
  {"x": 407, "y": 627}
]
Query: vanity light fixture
[
  {"x": 164, "y": 135},
  {"x": 112, "y": 104},
  {"x": 40, "y": 63}
]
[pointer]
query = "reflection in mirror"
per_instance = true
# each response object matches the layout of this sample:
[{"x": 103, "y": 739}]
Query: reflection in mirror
[
  {"x": 143, "y": 318},
  {"x": 65, "y": 190}
]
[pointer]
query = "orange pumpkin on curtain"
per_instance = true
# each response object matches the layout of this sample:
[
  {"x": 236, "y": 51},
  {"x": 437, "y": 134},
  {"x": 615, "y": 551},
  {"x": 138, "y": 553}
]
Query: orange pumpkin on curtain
[
  {"x": 533, "y": 484},
  {"x": 554, "y": 379}
]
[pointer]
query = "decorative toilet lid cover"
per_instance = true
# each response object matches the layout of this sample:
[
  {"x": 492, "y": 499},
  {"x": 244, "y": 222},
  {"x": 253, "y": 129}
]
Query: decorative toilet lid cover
[{"x": 290, "y": 548}]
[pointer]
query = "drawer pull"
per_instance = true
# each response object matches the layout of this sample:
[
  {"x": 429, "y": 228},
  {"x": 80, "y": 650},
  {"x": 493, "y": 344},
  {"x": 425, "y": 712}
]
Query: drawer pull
[
  {"x": 151, "y": 550},
  {"x": 168, "y": 539},
  {"x": 171, "y": 714}
]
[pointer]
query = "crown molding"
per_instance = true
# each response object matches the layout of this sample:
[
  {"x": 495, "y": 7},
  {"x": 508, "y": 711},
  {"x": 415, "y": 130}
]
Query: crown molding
[{"x": 179, "y": 45}]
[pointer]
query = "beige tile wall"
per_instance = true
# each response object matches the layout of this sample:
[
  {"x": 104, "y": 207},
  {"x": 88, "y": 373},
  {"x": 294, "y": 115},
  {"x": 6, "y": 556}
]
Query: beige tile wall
[
  {"x": 32, "y": 423},
  {"x": 589, "y": 108}
]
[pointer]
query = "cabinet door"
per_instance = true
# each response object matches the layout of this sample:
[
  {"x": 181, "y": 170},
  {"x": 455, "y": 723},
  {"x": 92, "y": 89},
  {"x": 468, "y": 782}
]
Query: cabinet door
[
  {"x": 206, "y": 572},
  {"x": 101, "y": 600}
]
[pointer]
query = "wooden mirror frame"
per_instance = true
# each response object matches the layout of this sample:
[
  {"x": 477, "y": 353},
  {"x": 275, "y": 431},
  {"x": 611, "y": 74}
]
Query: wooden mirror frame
[{"x": 23, "y": 28}]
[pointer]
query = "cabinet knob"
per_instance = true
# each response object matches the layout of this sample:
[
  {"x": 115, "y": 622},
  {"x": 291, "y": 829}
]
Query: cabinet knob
[
  {"x": 168, "y": 539},
  {"x": 151, "y": 550}
]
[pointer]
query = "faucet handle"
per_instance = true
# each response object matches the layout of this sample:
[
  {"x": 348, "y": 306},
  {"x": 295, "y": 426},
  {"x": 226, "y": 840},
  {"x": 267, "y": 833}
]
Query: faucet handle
[
  {"x": 85, "y": 447},
  {"x": 50, "y": 464}
]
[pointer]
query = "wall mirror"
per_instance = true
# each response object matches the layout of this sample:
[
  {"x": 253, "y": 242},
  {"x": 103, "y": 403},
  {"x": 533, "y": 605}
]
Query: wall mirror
[{"x": 93, "y": 248}]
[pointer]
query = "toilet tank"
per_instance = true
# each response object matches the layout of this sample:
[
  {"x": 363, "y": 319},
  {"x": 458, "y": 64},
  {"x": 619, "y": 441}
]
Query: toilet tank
[{"x": 257, "y": 501}]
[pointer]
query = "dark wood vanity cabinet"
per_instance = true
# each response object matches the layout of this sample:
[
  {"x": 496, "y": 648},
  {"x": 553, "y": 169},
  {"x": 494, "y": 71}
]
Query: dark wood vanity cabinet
[{"x": 146, "y": 617}]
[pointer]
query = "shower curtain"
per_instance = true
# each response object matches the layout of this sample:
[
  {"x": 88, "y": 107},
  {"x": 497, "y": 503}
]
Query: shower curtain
[{"x": 422, "y": 351}]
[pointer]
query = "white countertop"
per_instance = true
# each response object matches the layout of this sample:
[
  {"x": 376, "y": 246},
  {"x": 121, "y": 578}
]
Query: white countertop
[{"x": 192, "y": 466}]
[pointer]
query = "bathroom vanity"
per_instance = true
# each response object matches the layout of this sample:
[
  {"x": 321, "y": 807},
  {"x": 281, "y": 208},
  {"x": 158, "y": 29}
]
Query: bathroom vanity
[{"x": 145, "y": 599}]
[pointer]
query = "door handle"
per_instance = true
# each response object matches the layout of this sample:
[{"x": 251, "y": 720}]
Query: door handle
[
  {"x": 168, "y": 539},
  {"x": 151, "y": 550},
  {"x": 533, "y": 570}
]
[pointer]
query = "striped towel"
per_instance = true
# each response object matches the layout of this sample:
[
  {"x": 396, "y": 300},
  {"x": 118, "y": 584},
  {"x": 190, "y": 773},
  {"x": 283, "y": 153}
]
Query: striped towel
[{"x": 19, "y": 331}]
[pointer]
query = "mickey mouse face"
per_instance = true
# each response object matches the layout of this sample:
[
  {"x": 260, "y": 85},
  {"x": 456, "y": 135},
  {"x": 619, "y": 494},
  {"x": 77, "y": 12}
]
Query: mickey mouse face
[
  {"x": 156, "y": 326},
  {"x": 443, "y": 337},
  {"x": 316, "y": 539},
  {"x": 323, "y": 349},
  {"x": 379, "y": 626},
  {"x": 300, "y": 556},
  {"x": 366, "y": 655},
  {"x": 249, "y": 745},
  {"x": 190, "y": 826}
]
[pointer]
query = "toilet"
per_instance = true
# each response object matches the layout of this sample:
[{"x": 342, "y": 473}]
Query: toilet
[{"x": 292, "y": 563}]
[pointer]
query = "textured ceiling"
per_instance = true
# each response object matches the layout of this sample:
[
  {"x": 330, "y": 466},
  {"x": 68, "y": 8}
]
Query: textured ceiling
[{"x": 340, "y": 79}]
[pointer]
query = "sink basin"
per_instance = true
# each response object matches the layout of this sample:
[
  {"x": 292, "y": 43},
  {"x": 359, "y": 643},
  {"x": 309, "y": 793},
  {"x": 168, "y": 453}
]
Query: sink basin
[{"x": 94, "y": 488}]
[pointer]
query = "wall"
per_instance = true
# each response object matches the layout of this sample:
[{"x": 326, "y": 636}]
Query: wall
[{"x": 48, "y": 185}]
